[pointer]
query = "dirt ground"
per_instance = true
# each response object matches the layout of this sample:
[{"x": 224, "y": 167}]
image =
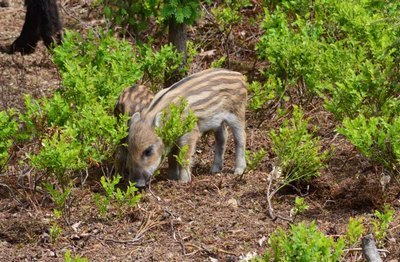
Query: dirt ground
[{"x": 213, "y": 217}]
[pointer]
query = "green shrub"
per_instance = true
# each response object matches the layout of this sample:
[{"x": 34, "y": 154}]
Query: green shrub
[
  {"x": 60, "y": 198},
  {"x": 75, "y": 127},
  {"x": 130, "y": 15},
  {"x": 347, "y": 53},
  {"x": 183, "y": 11},
  {"x": 377, "y": 138},
  {"x": 176, "y": 121},
  {"x": 33, "y": 119},
  {"x": 322, "y": 44},
  {"x": 228, "y": 14},
  {"x": 115, "y": 196},
  {"x": 155, "y": 65},
  {"x": 8, "y": 130},
  {"x": 300, "y": 206},
  {"x": 355, "y": 231},
  {"x": 304, "y": 243},
  {"x": 298, "y": 153},
  {"x": 254, "y": 159},
  {"x": 262, "y": 93},
  {"x": 40, "y": 115},
  {"x": 60, "y": 154},
  {"x": 382, "y": 221},
  {"x": 134, "y": 16},
  {"x": 291, "y": 47},
  {"x": 57, "y": 109},
  {"x": 55, "y": 231},
  {"x": 95, "y": 69},
  {"x": 69, "y": 258},
  {"x": 218, "y": 63}
]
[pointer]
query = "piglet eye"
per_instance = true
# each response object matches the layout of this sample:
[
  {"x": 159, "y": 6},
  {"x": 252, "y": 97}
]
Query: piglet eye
[{"x": 148, "y": 152}]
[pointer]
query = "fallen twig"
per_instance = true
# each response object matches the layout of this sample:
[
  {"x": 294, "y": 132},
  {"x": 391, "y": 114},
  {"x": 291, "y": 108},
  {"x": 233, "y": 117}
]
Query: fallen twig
[
  {"x": 129, "y": 241},
  {"x": 209, "y": 249},
  {"x": 12, "y": 194},
  {"x": 174, "y": 234},
  {"x": 147, "y": 224},
  {"x": 269, "y": 197},
  {"x": 187, "y": 202},
  {"x": 393, "y": 228},
  {"x": 152, "y": 193},
  {"x": 355, "y": 249}
]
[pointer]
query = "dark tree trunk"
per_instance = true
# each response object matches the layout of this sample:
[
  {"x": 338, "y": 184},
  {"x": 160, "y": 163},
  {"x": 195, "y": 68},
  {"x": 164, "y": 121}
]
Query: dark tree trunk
[
  {"x": 42, "y": 21},
  {"x": 176, "y": 36}
]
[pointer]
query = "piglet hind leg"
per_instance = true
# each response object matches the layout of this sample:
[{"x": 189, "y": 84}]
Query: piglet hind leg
[
  {"x": 239, "y": 136},
  {"x": 220, "y": 142}
]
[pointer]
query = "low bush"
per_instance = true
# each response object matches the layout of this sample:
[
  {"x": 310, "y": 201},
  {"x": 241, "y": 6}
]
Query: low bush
[
  {"x": 228, "y": 14},
  {"x": 114, "y": 196},
  {"x": 9, "y": 129},
  {"x": 377, "y": 138},
  {"x": 156, "y": 65},
  {"x": 75, "y": 128},
  {"x": 81, "y": 131},
  {"x": 355, "y": 231},
  {"x": 134, "y": 16},
  {"x": 381, "y": 222},
  {"x": 176, "y": 121},
  {"x": 345, "y": 52},
  {"x": 304, "y": 243},
  {"x": 71, "y": 258},
  {"x": 253, "y": 159},
  {"x": 94, "y": 70},
  {"x": 299, "y": 155}
]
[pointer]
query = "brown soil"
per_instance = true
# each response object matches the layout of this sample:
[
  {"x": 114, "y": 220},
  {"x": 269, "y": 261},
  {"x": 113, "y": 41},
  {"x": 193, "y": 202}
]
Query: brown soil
[{"x": 213, "y": 217}]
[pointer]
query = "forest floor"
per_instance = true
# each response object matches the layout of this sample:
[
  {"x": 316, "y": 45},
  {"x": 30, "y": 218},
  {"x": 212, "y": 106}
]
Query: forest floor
[{"x": 213, "y": 217}]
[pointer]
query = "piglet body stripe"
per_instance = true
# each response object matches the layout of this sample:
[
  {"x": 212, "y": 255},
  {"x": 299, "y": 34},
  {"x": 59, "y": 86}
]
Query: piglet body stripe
[{"x": 206, "y": 80}]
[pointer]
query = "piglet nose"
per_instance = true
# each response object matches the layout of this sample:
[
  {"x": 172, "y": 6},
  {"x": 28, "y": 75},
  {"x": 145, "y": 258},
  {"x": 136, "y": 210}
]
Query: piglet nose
[
  {"x": 139, "y": 183},
  {"x": 146, "y": 175},
  {"x": 141, "y": 178}
]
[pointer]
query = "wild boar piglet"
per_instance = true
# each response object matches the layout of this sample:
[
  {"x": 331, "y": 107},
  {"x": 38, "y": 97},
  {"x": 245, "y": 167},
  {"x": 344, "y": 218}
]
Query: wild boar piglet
[
  {"x": 217, "y": 97},
  {"x": 133, "y": 99}
]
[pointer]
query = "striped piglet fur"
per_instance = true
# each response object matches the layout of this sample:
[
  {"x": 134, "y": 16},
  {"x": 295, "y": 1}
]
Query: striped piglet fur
[
  {"x": 217, "y": 97},
  {"x": 133, "y": 99}
]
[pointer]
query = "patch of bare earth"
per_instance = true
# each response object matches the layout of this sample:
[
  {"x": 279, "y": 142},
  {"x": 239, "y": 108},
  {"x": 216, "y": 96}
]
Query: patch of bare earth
[{"x": 214, "y": 216}]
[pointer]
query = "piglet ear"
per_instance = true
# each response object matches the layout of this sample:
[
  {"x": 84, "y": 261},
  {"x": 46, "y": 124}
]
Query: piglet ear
[
  {"x": 135, "y": 118},
  {"x": 157, "y": 119}
]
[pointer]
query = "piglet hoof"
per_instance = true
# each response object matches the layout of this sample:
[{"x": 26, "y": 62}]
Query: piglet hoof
[
  {"x": 173, "y": 174},
  {"x": 239, "y": 170},
  {"x": 216, "y": 168},
  {"x": 185, "y": 176}
]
